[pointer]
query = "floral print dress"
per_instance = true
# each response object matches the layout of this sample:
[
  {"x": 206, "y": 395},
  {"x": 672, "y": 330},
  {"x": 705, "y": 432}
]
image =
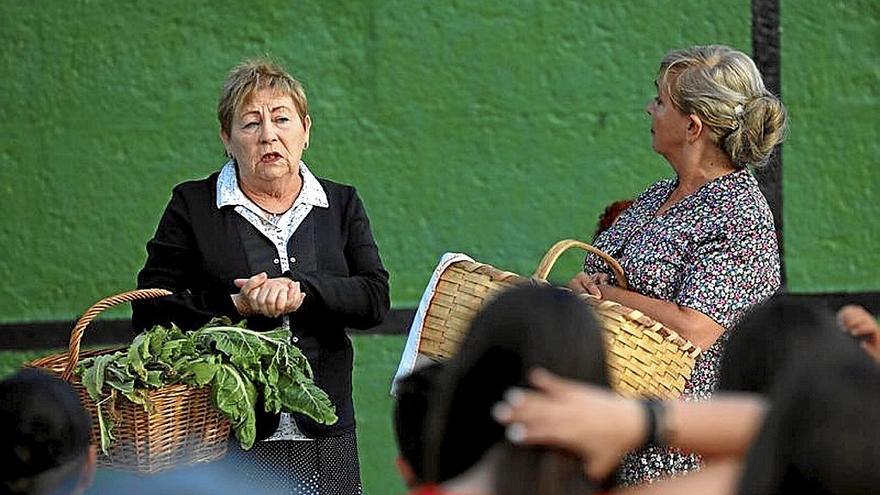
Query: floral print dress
[{"x": 714, "y": 251}]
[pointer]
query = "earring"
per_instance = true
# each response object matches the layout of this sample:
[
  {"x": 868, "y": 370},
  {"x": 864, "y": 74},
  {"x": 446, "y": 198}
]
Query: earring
[
  {"x": 306, "y": 146},
  {"x": 228, "y": 154}
]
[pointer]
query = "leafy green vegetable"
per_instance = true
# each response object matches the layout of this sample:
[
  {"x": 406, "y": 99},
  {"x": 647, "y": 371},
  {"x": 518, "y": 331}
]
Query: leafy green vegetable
[
  {"x": 314, "y": 402},
  {"x": 237, "y": 363},
  {"x": 106, "y": 429},
  {"x": 236, "y": 397}
]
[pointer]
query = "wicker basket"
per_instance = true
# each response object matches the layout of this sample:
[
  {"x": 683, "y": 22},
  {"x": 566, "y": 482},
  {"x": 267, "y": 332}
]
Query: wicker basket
[
  {"x": 183, "y": 428},
  {"x": 645, "y": 358}
]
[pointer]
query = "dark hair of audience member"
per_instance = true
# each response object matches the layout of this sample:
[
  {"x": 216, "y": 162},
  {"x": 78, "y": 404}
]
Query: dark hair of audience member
[
  {"x": 770, "y": 336},
  {"x": 410, "y": 411},
  {"x": 46, "y": 435},
  {"x": 610, "y": 215},
  {"x": 523, "y": 328},
  {"x": 821, "y": 434}
]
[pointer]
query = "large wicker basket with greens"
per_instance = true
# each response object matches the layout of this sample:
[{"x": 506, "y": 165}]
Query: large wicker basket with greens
[
  {"x": 171, "y": 397},
  {"x": 182, "y": 428},
  {"x": 645, "y": 358}
]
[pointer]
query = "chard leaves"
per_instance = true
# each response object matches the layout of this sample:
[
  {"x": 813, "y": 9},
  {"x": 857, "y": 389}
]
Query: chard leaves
[
  {"x": 235, "y": 396},
  {"x": 305, "y": 397},
  {"x": 236, "y": 362},
  {"x": 105, "y": 426}
]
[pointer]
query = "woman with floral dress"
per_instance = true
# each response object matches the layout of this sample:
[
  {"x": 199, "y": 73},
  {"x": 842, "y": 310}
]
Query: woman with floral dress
[{"x": 699, "y": 249}]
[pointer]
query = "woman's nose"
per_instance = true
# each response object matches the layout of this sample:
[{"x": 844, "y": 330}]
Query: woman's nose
[{"x": 267, "y": 133}]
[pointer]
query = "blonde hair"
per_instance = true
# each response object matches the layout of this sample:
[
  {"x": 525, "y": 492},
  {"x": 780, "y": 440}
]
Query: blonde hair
[
  {"x": 725, "y": 89},
  {"x": 254, "y": 75}
]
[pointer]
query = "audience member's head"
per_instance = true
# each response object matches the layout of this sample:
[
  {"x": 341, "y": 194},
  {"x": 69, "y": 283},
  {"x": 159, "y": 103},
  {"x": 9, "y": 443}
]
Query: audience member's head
[
  {"x": 769, "y": 337},
  {"x": 410, "y": 410},
  {"x": 821, "y": 434},
  {"x": 46, "y": 436},
  {"x": 523, "y": 328}
]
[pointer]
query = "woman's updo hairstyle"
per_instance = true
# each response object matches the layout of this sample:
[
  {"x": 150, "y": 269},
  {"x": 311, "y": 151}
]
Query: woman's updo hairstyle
[{"x": 725, "y": 89}]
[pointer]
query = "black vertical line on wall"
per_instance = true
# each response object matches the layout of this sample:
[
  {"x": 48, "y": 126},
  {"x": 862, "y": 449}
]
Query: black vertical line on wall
[{"x": 766, "y": 53}]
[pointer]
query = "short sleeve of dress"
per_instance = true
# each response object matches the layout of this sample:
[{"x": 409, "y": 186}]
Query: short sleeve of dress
[{"x": 731, "y": 274}]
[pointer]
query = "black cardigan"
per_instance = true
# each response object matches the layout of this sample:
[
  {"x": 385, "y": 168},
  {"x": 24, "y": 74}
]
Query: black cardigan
[{"x": 197, "y": 252}]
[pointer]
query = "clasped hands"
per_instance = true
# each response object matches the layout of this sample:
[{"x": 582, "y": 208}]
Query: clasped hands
[{"x": 272, "y": 297}]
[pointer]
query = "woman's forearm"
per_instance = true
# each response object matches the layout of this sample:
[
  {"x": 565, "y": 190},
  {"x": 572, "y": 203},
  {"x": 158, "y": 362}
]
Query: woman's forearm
[
  {"x": 358, "y": 301},
  {"x": 691, "y": 324},
  {"x": 722, "y": 427},
  {"x": 601, "y": 426}
]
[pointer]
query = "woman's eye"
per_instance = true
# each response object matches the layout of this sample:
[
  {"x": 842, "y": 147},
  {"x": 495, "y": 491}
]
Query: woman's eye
[
  {"x": 250, "y": 125},
  {"x": 282, "y": 119}
]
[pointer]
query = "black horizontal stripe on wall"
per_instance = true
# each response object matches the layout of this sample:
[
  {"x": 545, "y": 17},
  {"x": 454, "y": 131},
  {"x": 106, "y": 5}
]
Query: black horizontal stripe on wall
[{"x": 56, "y": 334}]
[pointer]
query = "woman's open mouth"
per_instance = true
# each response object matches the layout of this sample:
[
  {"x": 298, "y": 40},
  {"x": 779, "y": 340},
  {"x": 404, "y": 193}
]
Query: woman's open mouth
[{"x": 270, "y": 157}]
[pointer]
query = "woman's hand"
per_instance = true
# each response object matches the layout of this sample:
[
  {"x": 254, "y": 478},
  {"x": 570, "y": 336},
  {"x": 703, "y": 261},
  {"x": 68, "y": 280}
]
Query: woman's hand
[
  {"x": 588, "y": 283},
  {"x": 266, "y": 296},
  {"x": 590, "y": 421},
  {"x": 859, "y": 323}
]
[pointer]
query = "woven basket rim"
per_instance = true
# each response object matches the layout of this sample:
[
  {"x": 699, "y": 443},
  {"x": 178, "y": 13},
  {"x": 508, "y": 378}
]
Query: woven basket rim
[
  {"x": 60, "y": 358},
  {"x": 621, "y": 309},
  {"x": 477, "y": 265},
  {"x": 625, "y": 311}
]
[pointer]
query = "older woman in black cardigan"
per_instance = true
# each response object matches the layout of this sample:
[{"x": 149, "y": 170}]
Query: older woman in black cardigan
[{"x": 266, "y": 240}]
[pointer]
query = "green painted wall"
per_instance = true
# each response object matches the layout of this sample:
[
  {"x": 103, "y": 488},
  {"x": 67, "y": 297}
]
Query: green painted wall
[
  {"x": 493, "y": 128},
  {"x": 831, "y": 79}
]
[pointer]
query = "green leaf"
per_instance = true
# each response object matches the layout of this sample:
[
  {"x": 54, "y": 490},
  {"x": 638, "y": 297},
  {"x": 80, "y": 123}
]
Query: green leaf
[
  {"x": 299, "y": 361},
  {"x": 235, "y": 396},
  {"x": 158, "y": 337},
  {"x": 202, "y": 372},
  {"x": 153, "y": 379},
  {"x": 139, "y": 353},
  {"x": 222, "y": 321},
  {"x": 141, "y": 397},
  {"x": 121, "y": 379},
  {"x": 105, "y": 425},
  {"x": 120, "y": 372},
  {"x": 305, "y": 397},
  {"x": 94, "y": 373},
  {"x": 176, "y": 349}
]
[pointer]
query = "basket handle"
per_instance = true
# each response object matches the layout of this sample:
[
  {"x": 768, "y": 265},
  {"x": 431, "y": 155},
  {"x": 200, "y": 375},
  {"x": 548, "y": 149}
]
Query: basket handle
[
  {"x": 91, "y": 313},
  {"x": 560, "y": 247}
]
